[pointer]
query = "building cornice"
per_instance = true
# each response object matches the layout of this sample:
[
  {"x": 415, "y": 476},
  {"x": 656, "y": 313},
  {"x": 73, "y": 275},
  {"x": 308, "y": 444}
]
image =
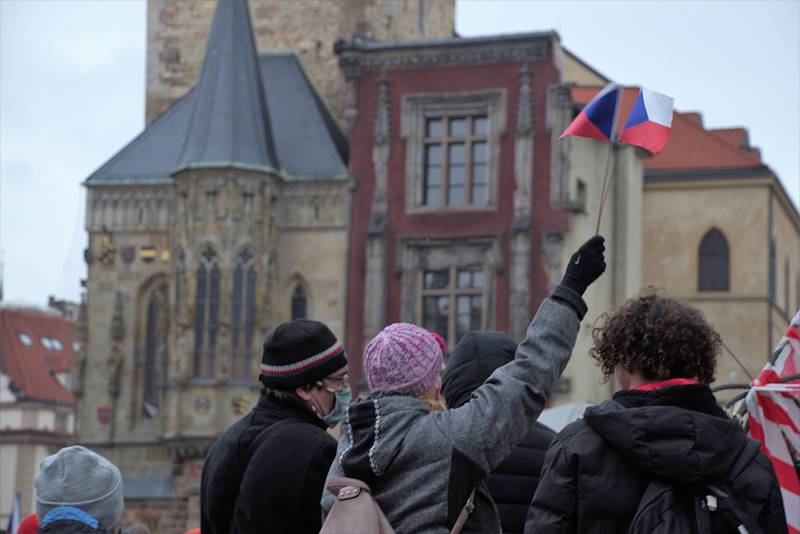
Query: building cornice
[
  {"x": 761, "y": 176},
  {"x": 359, "y": 55}
]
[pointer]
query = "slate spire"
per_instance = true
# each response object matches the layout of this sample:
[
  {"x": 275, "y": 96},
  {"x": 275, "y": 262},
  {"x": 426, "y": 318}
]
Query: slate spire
[{"x": 229, "y": 122}]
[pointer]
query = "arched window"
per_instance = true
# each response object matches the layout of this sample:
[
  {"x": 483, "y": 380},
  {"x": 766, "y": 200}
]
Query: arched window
[
  {"x": 298, "y": 303},
  {"x": 243, "y": 315},
  {"x": 155, "y": 349},
  {"x": 714, "y": 264},
  {"x": 206, "y": 319}
]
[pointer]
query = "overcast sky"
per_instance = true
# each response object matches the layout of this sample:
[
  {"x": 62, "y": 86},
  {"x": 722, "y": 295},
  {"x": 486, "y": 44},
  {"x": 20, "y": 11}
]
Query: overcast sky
[{"x": 72, "y": 79}]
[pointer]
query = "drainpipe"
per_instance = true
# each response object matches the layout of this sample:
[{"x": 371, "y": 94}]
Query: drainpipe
[{"x": 770, "y": 273}]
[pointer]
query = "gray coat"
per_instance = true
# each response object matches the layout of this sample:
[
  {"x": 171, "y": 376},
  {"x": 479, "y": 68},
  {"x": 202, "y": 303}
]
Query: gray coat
[{"x": 422, "y": 465}]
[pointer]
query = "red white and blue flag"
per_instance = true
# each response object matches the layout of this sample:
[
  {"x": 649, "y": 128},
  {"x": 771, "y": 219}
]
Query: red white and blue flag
[
  {"x": 649, "y": 123},
  {"x": 773, "y": 406},
  {"x": 596, "y": 120}
]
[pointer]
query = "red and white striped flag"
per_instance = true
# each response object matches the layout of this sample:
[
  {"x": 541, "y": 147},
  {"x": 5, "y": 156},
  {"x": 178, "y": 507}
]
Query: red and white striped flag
[{"x": 774, "y": 414}]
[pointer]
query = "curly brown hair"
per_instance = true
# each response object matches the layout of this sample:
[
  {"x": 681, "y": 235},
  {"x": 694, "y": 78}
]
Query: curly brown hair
[{"x": 660, "y": 337}]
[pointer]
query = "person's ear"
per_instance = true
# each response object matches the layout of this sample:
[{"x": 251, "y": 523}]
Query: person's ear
[{"x": 303, "y": 393}]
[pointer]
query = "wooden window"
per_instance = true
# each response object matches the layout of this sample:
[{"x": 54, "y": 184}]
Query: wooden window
[
  {"x": 714, "y": 262},
  {"x": 453, "y": 302},
  {"x": 456, "y": 161},
  {"x": 206, "y": 323},
  {"x": 242, "y": 315}
]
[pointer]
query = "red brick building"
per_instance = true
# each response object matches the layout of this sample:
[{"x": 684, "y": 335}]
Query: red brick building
[{"x": 451, "y": 208}]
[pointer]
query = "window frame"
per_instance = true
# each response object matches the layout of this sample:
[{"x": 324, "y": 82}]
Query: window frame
[
  {"x": 417, "y": 109},
  {"x": 452, "y": 292}
]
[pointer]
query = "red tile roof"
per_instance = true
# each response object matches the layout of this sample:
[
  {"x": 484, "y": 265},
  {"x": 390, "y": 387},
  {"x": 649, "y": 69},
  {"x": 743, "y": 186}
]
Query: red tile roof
[
  {"x": 31, "y": 367},
  {"x": 691, "y": 146}
]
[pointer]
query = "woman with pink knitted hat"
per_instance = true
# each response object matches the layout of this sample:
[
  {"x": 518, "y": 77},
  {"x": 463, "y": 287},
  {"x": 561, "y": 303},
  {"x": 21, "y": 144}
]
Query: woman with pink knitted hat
[{"x": 423, "y": 464}]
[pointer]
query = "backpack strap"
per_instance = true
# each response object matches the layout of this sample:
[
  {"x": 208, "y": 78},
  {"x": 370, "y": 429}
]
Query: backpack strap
[{"x": 337, "y": 483}]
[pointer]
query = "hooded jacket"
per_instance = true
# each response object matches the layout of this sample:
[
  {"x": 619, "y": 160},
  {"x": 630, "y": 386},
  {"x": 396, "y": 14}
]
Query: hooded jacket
[
  {"x": 513, "y": 482},
  {"x": 274, "y": 487},
  {"x": 423, "y": 465},
  {"x": 597, "y": 469}
]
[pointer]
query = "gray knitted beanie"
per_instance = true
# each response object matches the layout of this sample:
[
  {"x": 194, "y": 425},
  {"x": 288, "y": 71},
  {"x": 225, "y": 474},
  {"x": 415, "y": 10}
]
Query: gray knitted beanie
[{"x": 78, "y": 477}]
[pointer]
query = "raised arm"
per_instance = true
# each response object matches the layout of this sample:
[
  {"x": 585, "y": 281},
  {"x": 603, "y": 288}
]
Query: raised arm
[{"x": 500, "y": 412}]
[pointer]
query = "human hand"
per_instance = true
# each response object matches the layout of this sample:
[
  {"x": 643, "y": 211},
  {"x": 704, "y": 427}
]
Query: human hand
[{"x": 586, "y": 265}]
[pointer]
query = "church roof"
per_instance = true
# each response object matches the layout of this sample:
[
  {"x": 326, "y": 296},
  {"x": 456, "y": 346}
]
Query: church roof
[{"x": 246, "y": 111}]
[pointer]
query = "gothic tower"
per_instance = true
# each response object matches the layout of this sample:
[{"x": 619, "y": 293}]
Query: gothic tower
[
  {"x": 177, "y": 30},
  {"x": 226, "y": 216}
]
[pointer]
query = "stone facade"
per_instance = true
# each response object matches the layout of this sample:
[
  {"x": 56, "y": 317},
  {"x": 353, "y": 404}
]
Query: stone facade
[
  {"x": 394, "y": 91},
  {"x": 154, "y": 243},
  {"x": 177, "y": 31},
  {"x": 748, "y": 209}
]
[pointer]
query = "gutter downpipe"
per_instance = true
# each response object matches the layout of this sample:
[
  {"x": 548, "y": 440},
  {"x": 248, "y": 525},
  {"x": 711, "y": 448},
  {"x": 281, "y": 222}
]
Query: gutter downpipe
[{"x": 770, "y": 272}]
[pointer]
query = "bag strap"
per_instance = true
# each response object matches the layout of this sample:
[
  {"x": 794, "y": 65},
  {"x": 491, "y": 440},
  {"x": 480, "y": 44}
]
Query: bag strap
[
  {"x": 462, "y": 517},
  {"x": 336, "y": 483}
]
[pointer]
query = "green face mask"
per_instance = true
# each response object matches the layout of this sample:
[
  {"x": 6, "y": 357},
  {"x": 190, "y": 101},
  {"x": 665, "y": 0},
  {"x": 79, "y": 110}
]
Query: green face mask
[{"x": 343, "y": 398}]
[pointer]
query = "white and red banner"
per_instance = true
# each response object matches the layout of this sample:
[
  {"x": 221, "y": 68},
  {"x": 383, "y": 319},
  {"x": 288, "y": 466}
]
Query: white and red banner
[{"x": 773, "y": 405}]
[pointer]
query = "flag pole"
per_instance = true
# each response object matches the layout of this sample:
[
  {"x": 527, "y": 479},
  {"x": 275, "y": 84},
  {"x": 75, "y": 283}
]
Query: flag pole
[{"x": 607, "y": 182}]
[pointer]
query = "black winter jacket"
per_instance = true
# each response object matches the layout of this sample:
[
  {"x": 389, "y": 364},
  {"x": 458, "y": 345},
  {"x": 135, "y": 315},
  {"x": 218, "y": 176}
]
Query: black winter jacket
[
  {"x": 513, "y": 482},
  {"x": 278, "y": 490},
  {"x": 597, "y": 468}
]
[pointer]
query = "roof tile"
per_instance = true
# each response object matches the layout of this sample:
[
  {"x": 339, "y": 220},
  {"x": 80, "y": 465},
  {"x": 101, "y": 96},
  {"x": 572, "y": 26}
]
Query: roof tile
[{"x": 31, "y": 366}]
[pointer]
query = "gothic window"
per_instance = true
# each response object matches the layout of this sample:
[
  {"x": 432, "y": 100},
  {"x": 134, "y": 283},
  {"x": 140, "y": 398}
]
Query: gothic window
[
  {"x": 206, "y": 320},
  {"x": 455, "y": 168},
  {"x": 714, "y": 262},
  {"x": 453, "y": 149},
  {"x": 155, "y": 347},
  {"x": 243, "y": 315},
  {"x": 453, "y": 302},
  {"x": 298, "y": 303}
]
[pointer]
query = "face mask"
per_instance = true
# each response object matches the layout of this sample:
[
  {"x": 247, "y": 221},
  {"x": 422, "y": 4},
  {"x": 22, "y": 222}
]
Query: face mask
[{"x": 343, "y": 397}]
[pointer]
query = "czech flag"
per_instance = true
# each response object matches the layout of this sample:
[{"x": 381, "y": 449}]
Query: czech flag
[
  {"x": 596, "y": 120},
  {"x": 649, "y": 124}
]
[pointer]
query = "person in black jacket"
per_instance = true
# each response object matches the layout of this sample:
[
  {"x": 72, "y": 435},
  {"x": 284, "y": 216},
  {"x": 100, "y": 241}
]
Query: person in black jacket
[
  {"x": 513, "y": 482},
  {"x": 662, "y": 425},
  {"x": 266, "y": 472}
]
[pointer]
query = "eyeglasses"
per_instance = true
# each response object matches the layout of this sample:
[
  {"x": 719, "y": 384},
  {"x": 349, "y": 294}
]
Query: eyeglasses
[{"x": 334, "y": 383}]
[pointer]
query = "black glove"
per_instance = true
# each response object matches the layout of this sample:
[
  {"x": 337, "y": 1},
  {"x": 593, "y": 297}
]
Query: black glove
[{"x": 586, "y": 265}]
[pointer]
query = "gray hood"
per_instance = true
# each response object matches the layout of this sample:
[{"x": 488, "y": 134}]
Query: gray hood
[{"x": 375, "y": 429}]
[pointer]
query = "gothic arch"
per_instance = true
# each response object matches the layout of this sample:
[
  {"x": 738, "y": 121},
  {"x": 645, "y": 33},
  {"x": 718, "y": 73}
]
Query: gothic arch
[
  {"x": 206, "y": 312},
  {"x": 713, "y": 265},
  {"x": 299, "y": 298},
  {"x": 152, "y": 343},
  {"x": 243, "y": 313}
]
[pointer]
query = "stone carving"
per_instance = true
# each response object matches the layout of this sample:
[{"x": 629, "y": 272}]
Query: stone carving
[
  {"x": 380, "y": 155},
  {"x": 117, "y": 356},
  {"x": 524, "y": 107},
  {"x": 353, "y": 63}
]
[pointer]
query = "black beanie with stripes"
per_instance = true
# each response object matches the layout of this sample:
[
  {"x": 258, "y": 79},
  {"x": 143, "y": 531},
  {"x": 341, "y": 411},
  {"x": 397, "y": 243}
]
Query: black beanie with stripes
[{"x": 298, "y": 353}]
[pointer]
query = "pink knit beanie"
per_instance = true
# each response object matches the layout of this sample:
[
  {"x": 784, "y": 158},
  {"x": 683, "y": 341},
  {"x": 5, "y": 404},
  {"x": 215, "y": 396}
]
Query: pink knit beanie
[{"x": 403, "y": 357}]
